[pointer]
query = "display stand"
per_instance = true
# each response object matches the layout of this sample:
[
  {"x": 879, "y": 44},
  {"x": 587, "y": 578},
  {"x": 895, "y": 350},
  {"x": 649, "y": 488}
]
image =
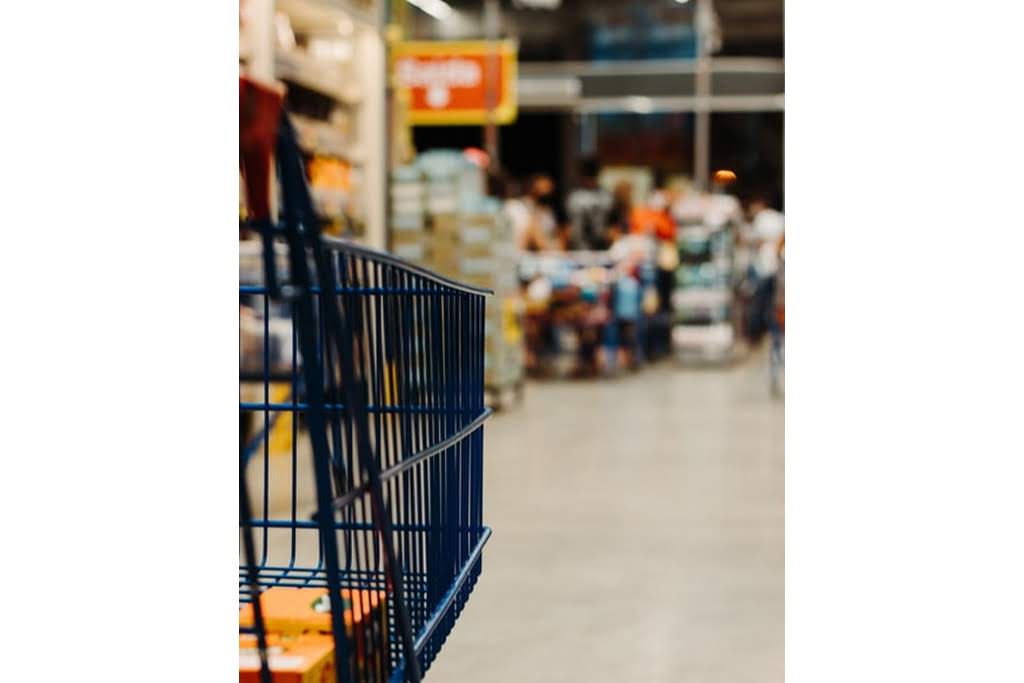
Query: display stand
[{"x": 702, "y": 302}]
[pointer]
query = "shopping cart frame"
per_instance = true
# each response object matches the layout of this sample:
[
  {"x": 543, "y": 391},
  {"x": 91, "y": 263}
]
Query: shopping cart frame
[{"x": 436, "y": 547}]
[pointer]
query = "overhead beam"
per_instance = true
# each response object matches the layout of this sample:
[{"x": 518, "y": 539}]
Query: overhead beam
[
  {"x": 640, "y": 67},
  {"x": 737, "y": 84}
]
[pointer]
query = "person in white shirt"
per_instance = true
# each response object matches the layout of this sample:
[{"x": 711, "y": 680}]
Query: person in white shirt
[
  {"x": 767, "y": 230},
  {"x": 532, "y": 216},
  {"x": 588, "y": 207}
]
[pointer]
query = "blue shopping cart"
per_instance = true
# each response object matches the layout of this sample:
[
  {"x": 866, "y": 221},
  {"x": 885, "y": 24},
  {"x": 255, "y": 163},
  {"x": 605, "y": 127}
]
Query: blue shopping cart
[{"x": 384, "y": 381}]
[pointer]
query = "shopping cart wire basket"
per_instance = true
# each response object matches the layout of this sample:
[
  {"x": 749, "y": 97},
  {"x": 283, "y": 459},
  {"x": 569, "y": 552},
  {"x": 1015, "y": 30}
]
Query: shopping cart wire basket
[{"x": 385, "y": 374}]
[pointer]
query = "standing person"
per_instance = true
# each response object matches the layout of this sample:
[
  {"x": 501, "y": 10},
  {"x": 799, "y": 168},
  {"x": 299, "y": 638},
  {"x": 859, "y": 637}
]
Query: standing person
[
  {"x": 767, "y": 229},
  {"x": 514, "y": 206},
  {"x": 589, "y": 207},
  {"x": 653, "y": 219},
  {"x": 780, "y": 290},
  {"x": 535, "y": 221},
  {"x": 660, "y": 203},
  {"x": 621, "y": 213}
]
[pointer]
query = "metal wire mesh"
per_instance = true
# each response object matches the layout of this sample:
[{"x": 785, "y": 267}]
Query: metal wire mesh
[{"x": 374, "y": 368}]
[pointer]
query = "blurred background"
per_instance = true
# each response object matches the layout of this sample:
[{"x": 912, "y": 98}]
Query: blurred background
[{"x": 613, "y": 171}]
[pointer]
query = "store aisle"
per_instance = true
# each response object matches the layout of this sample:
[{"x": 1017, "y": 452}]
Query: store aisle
[{"x": 638, "y": 535}]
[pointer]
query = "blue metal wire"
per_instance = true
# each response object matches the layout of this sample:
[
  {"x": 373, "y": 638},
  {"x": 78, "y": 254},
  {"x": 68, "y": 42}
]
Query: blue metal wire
[{"x": 386, "y": 378}]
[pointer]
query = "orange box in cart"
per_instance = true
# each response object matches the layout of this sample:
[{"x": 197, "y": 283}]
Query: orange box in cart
[
  {"x": 308, "y": 658},
  {"x": 294, "y": 611}
]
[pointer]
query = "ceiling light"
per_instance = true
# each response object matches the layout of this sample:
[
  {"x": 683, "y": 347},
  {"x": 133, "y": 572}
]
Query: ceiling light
[
  {"x": 439, "y": 9},
  {"x": 682, "y": 2}
]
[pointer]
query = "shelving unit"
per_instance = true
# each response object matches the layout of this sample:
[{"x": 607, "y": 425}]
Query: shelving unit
[
  {"x": 702, "y": 302},
  {"x": 330, "y": 56},
  {"x": 312, "y": 73}
]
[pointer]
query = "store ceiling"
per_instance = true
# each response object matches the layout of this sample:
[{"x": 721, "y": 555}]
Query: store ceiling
[
  {"x": 747, "y": 21},
  {"x": 749, "y": 27},
  {"x": 555, "y": 51}
]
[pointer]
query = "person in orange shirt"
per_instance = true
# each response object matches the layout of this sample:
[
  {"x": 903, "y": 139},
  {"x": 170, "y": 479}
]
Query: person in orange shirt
[{"x": 654, "y": 218}]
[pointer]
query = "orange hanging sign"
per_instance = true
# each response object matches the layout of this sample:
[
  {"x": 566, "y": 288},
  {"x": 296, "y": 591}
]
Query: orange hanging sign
[{"x": 448, "y": 83}]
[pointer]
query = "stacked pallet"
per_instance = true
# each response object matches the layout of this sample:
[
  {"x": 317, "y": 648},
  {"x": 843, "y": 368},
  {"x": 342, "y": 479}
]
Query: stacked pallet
[
  {"x": 409, "y": 238},
  {"x": 447, "y": 224},
  {"x": 487, "y": 257}
]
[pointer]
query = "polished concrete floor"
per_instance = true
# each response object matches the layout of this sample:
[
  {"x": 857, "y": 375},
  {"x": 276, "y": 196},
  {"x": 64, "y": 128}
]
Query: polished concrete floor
[{"x": 638, "y": 534}]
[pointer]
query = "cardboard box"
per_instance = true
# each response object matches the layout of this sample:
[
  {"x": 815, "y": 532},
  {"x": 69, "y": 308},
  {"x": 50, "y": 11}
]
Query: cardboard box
[
  {"x": 410, "y": 251},
  {"x": 506, "y": 252},
  {"x": 296, "y": 610},
  {"x": 442, "y": 205},
  {"x": 480, "y": 266},
  {"x": 409, "y": 237},
  {"x": 445, "y": 238},
  {"x": 407, "y": 192},
  {"x": 476, "y": 234},
  {"x": 444, "y": 257},
  {"x": 406, "y": 174},
  {"x": 443, "y": 221},
  {"x": 406, "y": 207},
  {"x": 292, "y": 659},
  {"x": 292, "y": 612},
  {"x": 475, "y": 250},
  {"x": 408, "y": 222}
]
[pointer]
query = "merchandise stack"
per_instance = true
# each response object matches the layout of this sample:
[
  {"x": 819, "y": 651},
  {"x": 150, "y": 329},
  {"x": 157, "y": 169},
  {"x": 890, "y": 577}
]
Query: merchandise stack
[
  {"x": 408, "y": 216},
  {"x": 588, "y": 311},
  {"x": 443, "y": 220},
  {"x": 703, "y": 299},
  {"x": 484, "y": 254}
]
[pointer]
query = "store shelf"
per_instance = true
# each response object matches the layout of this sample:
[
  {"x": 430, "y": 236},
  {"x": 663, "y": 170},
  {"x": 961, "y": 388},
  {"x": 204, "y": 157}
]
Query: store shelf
[
  {"x": 366, "y": 12},
  {"x": 313, "y": 74},
  {"x": 701, "y": 299},
  {"x": 715, "y": 337},
  {"x": 316, "y": 137},
  {"x": 330, "y": 202}
]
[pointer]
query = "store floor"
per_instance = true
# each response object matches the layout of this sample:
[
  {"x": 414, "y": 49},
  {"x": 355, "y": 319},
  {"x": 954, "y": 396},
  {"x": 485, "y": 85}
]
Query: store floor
[{"x": 638, "y": 534}]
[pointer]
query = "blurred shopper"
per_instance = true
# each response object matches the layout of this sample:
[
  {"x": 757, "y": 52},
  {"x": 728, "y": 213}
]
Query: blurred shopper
[
  {"x": 513, "y": 203},
  {"x": 660, "y": 204},
  {"x": 767, "y": 230},
  {"x": 653, "y": 219},
  {"x": 780, "y": 289},
  {"x": 535, "y": 221},
  {"x": 622, "y": 210},
  {"x": 589, "y": 207}
]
